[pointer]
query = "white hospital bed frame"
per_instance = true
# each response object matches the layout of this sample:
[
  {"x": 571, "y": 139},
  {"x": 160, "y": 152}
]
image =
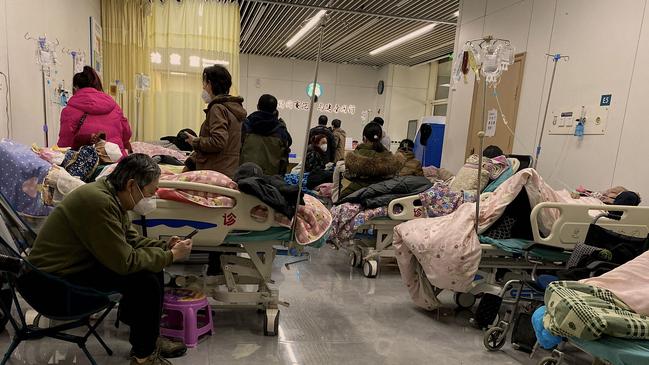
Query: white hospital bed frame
[
  {"x": 253, "y": 264},
  {"x": 368, "y": 255}
]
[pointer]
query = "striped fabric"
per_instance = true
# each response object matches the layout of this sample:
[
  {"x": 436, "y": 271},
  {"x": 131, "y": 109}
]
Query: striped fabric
[{"x": 588, "y": 312}]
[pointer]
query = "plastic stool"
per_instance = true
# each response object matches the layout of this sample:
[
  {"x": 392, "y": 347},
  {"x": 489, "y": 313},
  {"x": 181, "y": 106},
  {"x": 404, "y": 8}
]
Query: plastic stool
[{"x": 180, "y": 315}]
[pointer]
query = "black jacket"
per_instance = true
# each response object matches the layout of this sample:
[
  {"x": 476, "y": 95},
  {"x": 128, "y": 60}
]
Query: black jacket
[
  {"x": 267, "y": 124},
  {"x": 271, "y": 190},
  {"x": 381, "y": 194},
  {"x": 331, "y": 141}
]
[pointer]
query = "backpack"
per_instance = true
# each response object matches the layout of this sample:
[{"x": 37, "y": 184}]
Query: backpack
[{"x": 81, "y": 163}]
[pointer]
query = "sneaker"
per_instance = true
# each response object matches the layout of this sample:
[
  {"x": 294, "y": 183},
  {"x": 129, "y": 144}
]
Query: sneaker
[
  {"x": 170, "y": 349},
  {"x": 154, "y": 359}
]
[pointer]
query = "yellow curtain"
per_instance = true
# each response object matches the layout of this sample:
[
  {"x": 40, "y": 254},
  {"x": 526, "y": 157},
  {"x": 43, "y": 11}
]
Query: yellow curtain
[
  {"x": 126, "y": 53},
  {"x": 171, "y": 42},
  {"x": 184, "y": 38}
]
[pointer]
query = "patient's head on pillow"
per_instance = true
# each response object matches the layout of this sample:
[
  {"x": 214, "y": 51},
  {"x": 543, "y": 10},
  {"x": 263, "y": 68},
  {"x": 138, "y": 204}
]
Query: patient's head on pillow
[
  {"x": 627, "y": 198},
  {"x": 492, "y": 152},
  {"x": 406, "y": 145}
]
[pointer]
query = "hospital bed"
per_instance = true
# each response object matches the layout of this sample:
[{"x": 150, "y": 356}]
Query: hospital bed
[
  {"x": 373, "y": 241},
  {"x": 246, "y": 280}
]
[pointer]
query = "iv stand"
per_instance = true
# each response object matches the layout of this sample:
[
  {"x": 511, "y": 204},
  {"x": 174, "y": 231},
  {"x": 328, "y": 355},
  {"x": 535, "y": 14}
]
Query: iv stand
[
  {"x": 555, "y": 59},
  {"x": 306, "y": 144}
]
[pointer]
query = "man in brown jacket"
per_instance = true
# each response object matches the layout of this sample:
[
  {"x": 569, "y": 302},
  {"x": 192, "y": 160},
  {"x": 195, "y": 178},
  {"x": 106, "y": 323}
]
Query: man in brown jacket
[
  {"x": 218, "y": 144},
  {"x": 339, "y": 137}
]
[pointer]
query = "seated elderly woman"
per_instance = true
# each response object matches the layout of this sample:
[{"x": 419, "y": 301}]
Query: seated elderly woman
[
  {"x": 88, "y": 241},
  {"x": 370, "y": 162}
]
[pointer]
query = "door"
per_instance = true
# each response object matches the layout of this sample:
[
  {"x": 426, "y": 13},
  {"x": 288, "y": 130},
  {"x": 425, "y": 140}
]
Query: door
[{"x": 508, "y": 94}]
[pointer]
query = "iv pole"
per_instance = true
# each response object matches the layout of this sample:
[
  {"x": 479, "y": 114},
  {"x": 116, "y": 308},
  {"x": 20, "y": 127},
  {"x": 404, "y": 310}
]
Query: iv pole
[
  {"x": 555, "y": 59},
  {"x": 322, "y": 25}
]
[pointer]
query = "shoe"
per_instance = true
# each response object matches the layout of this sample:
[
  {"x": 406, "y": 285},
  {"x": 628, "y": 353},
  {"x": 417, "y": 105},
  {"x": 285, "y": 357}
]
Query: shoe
[
  {"x": 169, "y": 349},
  {"x": 154, "y": 359}
]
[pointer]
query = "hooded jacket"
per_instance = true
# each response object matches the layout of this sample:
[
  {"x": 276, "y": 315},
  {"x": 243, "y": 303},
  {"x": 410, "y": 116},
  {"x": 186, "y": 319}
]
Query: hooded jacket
[
  {"x": 331, "y": 142},
  {"x": 339, "y": 137},
  {"x": 266, "y": 142},
  {"x": 411, "y": 166},
  {"x": 365, "y": 167},
  {"x": 218, "y": 145},
  {"x": 102, "y": 115},
  {"x": 381, "y": 194}
]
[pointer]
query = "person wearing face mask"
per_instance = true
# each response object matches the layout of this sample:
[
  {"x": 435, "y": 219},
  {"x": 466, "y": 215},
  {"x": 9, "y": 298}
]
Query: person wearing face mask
[
  {"x": 316, "y": 155},
  {"x": 218, "y": 144},
  {"x": 88, "y": 241}
]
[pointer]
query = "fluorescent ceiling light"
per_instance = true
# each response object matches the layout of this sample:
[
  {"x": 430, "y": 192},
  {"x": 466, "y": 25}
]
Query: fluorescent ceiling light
[
  {"x": 306, "y": 28},
  {"x": 404, "y": 39},
  {"x": 456, "y": 14},
  {"x": 433, "y": 49},
  {"x": 353, "y": 34},
  {"x": 178, "y": 73}
]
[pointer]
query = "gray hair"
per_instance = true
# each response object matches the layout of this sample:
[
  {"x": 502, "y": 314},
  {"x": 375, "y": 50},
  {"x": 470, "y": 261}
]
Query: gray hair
[{"x": 139, "y": 167}]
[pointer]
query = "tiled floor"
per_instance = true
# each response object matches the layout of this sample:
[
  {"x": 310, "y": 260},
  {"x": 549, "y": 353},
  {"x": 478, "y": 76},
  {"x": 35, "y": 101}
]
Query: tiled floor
[{"x": 336, "y": 316}]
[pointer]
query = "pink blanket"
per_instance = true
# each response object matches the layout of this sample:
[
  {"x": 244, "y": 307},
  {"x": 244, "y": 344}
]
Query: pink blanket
[
  {"x": 629, "y": 282},
  {"x": 446, "y": 251}
]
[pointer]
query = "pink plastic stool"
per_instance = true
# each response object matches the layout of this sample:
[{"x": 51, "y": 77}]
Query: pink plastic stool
[{"x": 181, "y": 317}]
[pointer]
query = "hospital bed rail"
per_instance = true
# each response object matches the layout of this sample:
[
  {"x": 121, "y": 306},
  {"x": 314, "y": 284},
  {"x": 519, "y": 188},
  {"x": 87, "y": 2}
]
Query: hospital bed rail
[{"x": 246, "y": 279}]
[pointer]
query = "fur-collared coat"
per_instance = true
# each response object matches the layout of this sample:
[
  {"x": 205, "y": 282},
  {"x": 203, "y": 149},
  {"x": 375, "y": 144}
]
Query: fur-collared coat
[{"x": 365, "y": 167}]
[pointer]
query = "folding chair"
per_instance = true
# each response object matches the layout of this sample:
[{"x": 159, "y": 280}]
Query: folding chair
[{"x": 53, "y": 298}]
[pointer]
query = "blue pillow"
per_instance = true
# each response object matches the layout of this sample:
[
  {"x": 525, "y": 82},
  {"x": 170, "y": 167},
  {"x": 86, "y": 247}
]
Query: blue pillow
[{"x": 501, "y": 179}]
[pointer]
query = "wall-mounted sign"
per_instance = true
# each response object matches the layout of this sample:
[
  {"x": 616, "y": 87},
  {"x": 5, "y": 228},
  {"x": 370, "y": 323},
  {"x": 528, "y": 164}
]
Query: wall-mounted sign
[
  {"x": 318, "y": 90},
  {"x": 303, "y": 105},
  {"x": 605, "y": 100}
]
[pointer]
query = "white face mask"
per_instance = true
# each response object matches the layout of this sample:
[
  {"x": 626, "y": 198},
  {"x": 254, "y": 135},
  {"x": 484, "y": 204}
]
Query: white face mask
[
  {"x": 145, "y": 205},
  {"x": 323, "y": 147},
  {"x": 206, "y": 96}
]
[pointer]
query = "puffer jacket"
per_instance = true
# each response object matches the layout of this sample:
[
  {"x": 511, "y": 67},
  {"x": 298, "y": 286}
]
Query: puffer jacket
[
  {"x": 339, "y": 137},
  {"x": 380, "y": 194},
  {"x": 411, "y": 166},
  {"x": 266, "y": 142},
  {"x": 218, "y": 145},
  {"x": 315, "y": 159},
  {"x": 365, "y": 167},
  {"x": 102, "y": 115}
]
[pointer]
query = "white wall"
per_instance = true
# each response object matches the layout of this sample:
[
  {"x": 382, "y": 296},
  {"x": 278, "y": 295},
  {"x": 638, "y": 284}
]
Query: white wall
[
  {"x": 403, "y": 98},
  {"x": 67, "y": 20},
  {"x": 408, "y": 87},
  {"x": 608, "y": 45}
]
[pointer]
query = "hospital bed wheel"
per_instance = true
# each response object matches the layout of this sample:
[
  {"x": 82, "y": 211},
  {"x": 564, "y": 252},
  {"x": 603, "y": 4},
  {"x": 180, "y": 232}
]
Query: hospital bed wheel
[
  {"x": 271, "y": 322},
  {"x": 548, "y": 360},
  {"x": 370, "y": 268},
  {"x": 464, "y": 300},
  {"x": 494, "y": 339}
]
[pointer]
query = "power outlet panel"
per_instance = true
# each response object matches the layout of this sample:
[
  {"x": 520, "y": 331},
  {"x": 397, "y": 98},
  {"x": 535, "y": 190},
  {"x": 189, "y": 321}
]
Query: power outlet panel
[{"x": 563, "y": 121}]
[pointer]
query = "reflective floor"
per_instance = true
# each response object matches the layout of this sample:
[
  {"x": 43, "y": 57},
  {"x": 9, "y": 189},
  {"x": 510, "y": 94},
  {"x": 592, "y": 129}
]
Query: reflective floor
[{"x": 336, "y": 316}]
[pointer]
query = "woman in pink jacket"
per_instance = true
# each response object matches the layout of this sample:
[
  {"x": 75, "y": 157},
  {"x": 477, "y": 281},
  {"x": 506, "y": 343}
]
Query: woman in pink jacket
[{"x": 91, "y": 111}]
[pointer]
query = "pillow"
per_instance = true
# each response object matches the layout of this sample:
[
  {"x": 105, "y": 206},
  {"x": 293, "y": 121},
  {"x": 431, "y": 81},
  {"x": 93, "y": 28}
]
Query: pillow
[
  {"x": 211, "y": 200},
  {"x": 467, "y": 177}
]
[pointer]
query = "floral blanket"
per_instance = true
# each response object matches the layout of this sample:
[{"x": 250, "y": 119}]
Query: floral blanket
[
  {"x": 437, "y": 201},
  {"x": 155, "y": 150},
  {"x": 447, "y": 247}
]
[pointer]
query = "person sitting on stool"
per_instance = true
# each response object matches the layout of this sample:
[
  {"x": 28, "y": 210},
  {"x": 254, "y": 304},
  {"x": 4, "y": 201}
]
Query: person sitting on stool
[{"x": 88, "y": 241}]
